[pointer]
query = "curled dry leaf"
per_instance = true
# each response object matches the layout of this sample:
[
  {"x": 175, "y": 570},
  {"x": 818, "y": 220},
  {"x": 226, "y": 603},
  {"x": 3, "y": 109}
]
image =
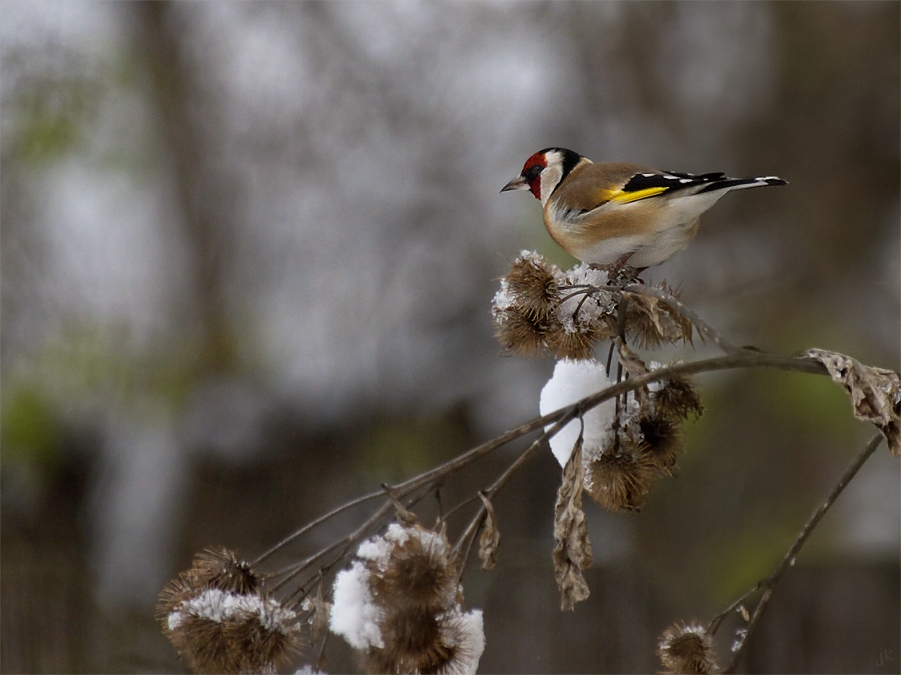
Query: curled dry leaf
[
  {"x": 875, "y": 392},
  {"x": 632, "y": 363},
  {"x": 572, "y": 549},
  {"x": 635, "y": 367},
  {"x": 491, "y": 536},
  {"x": 651, "y": 322}
]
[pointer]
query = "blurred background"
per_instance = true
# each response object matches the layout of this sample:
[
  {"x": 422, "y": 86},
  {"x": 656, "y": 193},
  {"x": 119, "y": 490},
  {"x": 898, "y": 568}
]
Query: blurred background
[{"x": 248, "y": 254}]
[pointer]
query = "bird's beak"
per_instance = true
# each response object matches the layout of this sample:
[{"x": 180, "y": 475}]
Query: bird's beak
[{"x": 518, "y": 183}]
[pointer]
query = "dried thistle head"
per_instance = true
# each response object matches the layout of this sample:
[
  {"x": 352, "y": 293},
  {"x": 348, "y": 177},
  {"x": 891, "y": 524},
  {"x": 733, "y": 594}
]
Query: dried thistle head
[
  {"x": 218, "y": 631},
  {"x": 521, "y": 333},
  {"x": 220, "y": 568},
  {"x": 413, "y": 644},
  {"x": 211, "y": 568},
  {"x": 532, "y": 285},
  {"x": 686, "y": 647},
  {"x": 676, "y": 397},
  {"x": 450, "y": 643},
  {"x": 266, "y": 636},
  {"x": 219, "y": 617},
  {"x": 663, "y": 440},
  {"x": 576, "y": 344},
  {"x": 464, "y": 634},
  {"x": 540, "y": 309},
  {"x": 416, "y": 573},
  {"x": 619, "y": 479}
]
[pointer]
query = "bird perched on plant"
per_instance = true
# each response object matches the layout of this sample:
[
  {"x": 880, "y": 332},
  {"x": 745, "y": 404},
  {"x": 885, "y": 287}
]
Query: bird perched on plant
[{"x": 617, "y": 214}]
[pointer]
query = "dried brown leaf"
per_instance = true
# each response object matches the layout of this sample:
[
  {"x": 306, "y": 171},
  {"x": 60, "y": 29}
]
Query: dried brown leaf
[
  {"x": 572, "y": 549},
  {"x": 491, "y": 536},
  {"x": 651, "y": 322},
  {"x": 875, "y": 392},
  {"x": 635, "y": 367},
  {"x": 632, "y": 363}
]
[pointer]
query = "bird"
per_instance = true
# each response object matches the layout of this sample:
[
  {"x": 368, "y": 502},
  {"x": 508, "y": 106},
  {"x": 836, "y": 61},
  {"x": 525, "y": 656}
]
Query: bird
[{"x": 619, "y": 215}]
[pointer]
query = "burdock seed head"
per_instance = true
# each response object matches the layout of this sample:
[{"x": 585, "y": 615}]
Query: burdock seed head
[
  {"x": 532, "y": 285},
  {"x": 686, "y": 647},
  {"x": 219, "y": 617},
  {"x": 663, "y": 440},
  {"x": 619, "y": 479},
  {"x": 416, "y": 571}
]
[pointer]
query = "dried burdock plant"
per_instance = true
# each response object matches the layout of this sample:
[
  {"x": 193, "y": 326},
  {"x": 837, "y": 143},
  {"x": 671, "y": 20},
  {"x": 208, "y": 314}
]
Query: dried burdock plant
[
  {"x": 523, "y": 308},
  {"x": 540, "y": 309},
  {"x": 400, "y": 605},
  {"x": 517, "y": 331},
  {"x": 534, "y": 285},
  {"x": 614, "y": 427},
  {"x": 686, "y": 647},
  {"x": 627, "y": 445},
  {"x": 221, "y": 619}
]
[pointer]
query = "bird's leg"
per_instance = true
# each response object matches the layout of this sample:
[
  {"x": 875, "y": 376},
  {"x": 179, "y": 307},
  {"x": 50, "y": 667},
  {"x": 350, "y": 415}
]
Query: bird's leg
[{"x": 619, "y": 272}]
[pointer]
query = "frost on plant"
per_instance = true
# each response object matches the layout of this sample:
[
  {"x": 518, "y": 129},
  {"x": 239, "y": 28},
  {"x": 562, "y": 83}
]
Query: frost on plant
[
  {"x": 221, "y": 619},
  {"x": 399, "y": 605},
  {"x": 541, "y": 309}
]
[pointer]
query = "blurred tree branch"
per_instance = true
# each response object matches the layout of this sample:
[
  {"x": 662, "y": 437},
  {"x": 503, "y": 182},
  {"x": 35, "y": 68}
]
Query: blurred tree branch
[{"x": 204, "y": 197}]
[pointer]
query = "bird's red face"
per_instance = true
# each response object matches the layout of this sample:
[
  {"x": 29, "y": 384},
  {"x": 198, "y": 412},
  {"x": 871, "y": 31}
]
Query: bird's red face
[
  {"x": 531, "y": 172},
  {"x": 530, "y": 177}
]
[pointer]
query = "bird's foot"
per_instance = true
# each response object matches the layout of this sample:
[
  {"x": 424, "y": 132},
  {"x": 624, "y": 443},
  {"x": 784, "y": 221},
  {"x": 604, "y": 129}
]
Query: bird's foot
[{"x": 619, "y": 273}]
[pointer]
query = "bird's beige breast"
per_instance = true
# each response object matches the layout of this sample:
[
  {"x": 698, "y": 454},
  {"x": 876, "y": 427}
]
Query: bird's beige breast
[{"x": 605, "y": 235}]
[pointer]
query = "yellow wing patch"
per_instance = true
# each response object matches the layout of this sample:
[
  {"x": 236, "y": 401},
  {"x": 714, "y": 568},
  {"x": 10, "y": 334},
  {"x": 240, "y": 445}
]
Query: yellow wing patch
[{"x": 622, "y": 197}]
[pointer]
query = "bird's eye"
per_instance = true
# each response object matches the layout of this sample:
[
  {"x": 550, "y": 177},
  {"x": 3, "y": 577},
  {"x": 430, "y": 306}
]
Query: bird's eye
[{"x": 532, "y": 172}]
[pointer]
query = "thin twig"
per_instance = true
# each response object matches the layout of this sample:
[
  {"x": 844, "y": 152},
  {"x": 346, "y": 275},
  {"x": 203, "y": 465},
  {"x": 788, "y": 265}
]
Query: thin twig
[
  {"x": 476, "y": 522},
  {"x": 318, "y": 521},
  {"x": 743, "y": 359},
  {"x": 769, "y": 584},
  {"x": 348, "y": 542}
]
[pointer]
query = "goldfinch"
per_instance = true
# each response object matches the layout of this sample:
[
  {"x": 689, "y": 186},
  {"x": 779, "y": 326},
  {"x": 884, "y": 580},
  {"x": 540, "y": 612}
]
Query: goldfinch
[{"x": 617, "y": 214}]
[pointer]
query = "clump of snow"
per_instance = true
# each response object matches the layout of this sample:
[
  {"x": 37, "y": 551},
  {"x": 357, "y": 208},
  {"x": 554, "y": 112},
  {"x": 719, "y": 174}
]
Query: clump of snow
[
  {"x": 572, "y": 381},
  {"x": 466, "y": 634},
  {"x": 503, "y": 299},
  {"x": 354, "y": 615}
]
